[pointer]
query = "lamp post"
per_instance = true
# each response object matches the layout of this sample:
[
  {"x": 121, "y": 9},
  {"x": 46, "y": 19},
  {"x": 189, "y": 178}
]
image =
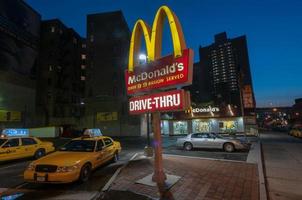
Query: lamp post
[{"x": 148, "y": 149}]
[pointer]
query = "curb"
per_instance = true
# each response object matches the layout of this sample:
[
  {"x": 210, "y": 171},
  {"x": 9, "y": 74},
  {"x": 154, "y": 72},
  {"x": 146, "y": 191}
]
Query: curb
[
  {"x": 204, "y": 158},
  {"x": 256, "y": 157},
  {"x": 112, "y": 179}
]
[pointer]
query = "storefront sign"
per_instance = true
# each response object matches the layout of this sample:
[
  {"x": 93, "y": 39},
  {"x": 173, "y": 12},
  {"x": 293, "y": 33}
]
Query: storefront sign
[
  {"x": 10, "y": 116},
  {"x": 174, "y": 100},
  {"x": 205, "y": 110},
  {"x": 106, "y": 116},
  {"x": 163, "y": 73}
]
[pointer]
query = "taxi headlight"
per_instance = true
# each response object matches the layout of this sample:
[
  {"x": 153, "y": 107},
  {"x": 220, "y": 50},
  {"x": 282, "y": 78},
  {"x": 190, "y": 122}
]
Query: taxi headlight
[
  {"x": 31, "y": 167},
  {"x": 64, "y": 169}
]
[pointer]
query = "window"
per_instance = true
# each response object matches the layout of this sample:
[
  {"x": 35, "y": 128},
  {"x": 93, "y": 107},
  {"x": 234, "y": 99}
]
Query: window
[
  {"x": 108, "y": 142},
  {"x": 91, "y": 38},
  {"x": 100, "y": 145},
  {"x": 28, "y": 141},
  {"x": 83, "y": 56},
  {"x": 83, "y": 78},
  {"x": 83, "y": 66},
  {"x": 12, "y": 143},
  {"x": 53, "y": 29},
  {"x": 50, "y": 68},
  {"x": 83, "y": 46}
]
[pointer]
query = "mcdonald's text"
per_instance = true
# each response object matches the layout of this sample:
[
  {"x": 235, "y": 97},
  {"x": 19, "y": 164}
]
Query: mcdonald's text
[
  {"x": 164, "y": 73},
  {"x": 164, "y": 101}
]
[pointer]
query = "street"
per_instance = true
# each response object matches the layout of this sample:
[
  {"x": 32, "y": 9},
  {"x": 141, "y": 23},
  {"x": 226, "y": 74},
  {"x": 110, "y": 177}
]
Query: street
[
  {"x": 11, "y": 180},
  {"x": 283, "y": 165}
]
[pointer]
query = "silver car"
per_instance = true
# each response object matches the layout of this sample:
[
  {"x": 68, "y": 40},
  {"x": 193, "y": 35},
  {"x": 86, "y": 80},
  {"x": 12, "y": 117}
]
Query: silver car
[{"x": 211, "y": 140}]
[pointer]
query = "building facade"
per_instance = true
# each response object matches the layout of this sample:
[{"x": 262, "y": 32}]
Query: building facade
[
  {"x": 108, "y": 38},
  {"x": 19, "y": 44},
  {"x": 60, "y": 75},
  {"x": 222, "y": 94}
]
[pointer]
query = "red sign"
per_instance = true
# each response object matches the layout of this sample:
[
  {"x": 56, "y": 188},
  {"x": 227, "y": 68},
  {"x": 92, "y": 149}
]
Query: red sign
[
  {"x": 174, "y": 100},
  {"x": 164, "y": 73}
]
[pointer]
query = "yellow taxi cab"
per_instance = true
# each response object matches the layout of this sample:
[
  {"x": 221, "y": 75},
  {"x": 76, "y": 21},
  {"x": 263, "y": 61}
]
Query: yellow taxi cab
[
  {"x": 296, "y": 132},
  {"x": 74, "y": 161},
  {"x": 17, "y": 144}
]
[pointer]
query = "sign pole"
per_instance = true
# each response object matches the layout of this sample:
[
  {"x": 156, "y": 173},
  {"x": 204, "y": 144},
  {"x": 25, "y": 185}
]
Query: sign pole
[{"x": 159, "y": 176}]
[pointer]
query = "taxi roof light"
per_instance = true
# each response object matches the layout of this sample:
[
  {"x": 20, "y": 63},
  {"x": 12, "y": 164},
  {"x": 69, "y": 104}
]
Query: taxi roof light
[{"x": 15, "y": 132}]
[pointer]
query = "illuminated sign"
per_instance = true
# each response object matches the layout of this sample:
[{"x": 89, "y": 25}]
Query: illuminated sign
[
  {"x": 10, "y": 116},
  {"x": 205, "y": 110},
  {"x": 247, "y": 95},
  {"x": 174, "y": 100},
  {"x": 15, "y": 132},
  {"x": 164, "y": 73},
  {"x": 159, "y": 73},
  {"x": 106, "y": 116}
]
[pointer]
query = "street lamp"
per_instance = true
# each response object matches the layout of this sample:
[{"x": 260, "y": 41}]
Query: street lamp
[
  {"x": 142, "y": 58},
  {"x": 148, "y": 149}
]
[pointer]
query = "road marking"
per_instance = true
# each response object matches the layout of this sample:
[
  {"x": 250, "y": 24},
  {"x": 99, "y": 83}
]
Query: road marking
[
  {"x": 12, "y": 165},
  {"x": 21, "y": 185}
]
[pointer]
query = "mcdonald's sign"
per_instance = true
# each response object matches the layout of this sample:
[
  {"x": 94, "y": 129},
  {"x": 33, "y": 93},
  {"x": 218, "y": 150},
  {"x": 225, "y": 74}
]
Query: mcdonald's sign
[{"x": 159, "y": 72}]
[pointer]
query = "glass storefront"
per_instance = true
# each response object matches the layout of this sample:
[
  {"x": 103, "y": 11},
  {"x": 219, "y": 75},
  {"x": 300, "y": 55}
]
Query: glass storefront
[
  {"x": 230, "y": 126},
  {"x": 164, "y": 127},
  {"x": 216, "y": 125},
  {"x": 180, "y": 127},
  {"x": 201, "y": 126}
]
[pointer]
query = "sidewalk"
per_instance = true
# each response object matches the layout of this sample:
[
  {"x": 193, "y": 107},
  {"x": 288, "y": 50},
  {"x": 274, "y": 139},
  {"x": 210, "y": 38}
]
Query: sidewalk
[
  {"x": 200, "y": 178},
  {"x": 283, "y": 165}
]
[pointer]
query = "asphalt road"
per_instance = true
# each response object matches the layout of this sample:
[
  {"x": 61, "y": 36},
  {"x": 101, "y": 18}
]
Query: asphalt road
[{"x": 11, "y": 180}]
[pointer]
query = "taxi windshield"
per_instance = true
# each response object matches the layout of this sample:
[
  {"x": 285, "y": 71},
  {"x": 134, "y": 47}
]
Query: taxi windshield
[
  {"x": 79, "y": 146},
  {"x": 2, "y": 141}
]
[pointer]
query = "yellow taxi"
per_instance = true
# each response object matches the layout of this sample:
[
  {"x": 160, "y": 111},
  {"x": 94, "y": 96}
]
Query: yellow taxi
[
  {"x": 74, "y": 161},
  {"x": 17, "y": 144},
  {"x": 296, "y": 131}
]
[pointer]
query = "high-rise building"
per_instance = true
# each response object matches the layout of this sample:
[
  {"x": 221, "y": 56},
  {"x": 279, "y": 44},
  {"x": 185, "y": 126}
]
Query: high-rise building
[
  {"x": 60, "y": 75},
  {"x": 108, "y": 39},
  {"x": 225, "y": 76},
  {"x": 19, "y": 44}
]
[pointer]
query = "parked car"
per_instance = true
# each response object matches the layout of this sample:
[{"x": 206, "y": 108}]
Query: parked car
[
  {"x": 14, "y": 147},
  {"x": 212, "y": 141}
]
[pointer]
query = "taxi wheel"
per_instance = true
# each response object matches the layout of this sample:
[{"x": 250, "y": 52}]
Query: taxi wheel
[
  {"x": 85, "y": 173},
  {"x": 39, "y": 153}
]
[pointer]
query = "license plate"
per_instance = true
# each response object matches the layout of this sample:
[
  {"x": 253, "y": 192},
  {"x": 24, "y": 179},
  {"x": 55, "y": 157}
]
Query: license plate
[{"x": 41, "y": 178}]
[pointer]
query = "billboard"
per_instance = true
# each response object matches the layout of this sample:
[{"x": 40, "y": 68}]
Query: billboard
[
  {"x": 160, "y": 102},
  {"x": 163, "y": 73},
  {"x": 19, "y": 36}
]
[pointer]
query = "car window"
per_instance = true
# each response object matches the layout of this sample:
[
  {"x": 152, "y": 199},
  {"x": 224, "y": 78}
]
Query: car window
[
  {"x": 100, "y": 145},
  {"x": 28, "y": 141},
  {"x": 12, "y": 143},
  {"x": 108, "y": 142},
  {"x": 2, "y": 141},
  {"x": 200, "y": 135},
  {"x": 79, "y": 146}
]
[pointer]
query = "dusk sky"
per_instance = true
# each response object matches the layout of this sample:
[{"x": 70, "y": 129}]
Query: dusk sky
[{"x": 273, "y": 29}]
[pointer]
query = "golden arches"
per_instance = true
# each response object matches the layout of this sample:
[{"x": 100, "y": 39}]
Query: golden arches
[{"x": 154, "y": 39}]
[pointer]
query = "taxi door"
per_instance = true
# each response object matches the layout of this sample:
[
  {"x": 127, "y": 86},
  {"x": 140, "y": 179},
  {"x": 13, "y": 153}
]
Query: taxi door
[
  {"x": 11, "y": 150},
  {"x": 108, "y": 149},
  {"x": 29, "y": 145},
  {"x": 100, "y": 157}
]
